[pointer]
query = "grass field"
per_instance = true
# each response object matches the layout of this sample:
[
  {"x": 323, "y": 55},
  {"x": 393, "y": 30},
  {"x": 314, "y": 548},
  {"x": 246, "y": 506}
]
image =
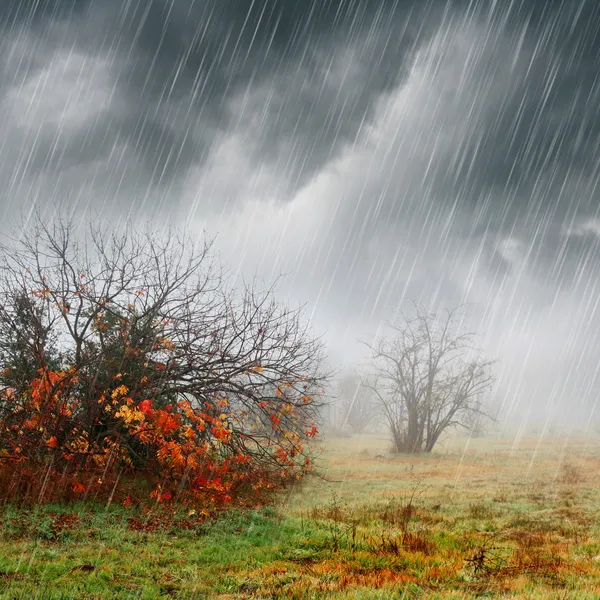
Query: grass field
[{"x": 490, "y": 518}]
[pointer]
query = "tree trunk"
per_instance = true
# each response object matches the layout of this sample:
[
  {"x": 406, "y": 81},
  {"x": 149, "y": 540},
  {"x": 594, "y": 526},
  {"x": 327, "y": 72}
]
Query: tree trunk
[
  {"x": 431, "y": 442},
  {"x": 413, "y": 432}
]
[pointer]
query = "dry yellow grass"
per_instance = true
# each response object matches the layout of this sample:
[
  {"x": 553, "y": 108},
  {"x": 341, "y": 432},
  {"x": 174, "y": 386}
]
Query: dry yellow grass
[{"x": 493, "y": 518}]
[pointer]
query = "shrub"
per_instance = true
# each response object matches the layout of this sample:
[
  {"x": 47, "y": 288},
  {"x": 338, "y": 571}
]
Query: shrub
[{"x": 129, "y": 368}]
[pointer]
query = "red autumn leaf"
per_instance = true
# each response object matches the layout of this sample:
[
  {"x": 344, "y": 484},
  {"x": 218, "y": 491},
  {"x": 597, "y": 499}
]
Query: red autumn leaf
[
  {"x": 145, "y": 406},
  {"x": 166, "y": 423},
  {"x": 312, "y": 432}
]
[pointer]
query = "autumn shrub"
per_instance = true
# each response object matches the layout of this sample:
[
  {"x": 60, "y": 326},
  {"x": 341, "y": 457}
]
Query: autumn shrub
[{"x": 130, "y": 371}]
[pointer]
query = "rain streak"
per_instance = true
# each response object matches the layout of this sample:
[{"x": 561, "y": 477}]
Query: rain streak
[{"x": 339, "y": 255}]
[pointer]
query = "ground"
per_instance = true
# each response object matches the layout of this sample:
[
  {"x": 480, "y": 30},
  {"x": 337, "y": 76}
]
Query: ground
[{"x": 489, "y": 518}]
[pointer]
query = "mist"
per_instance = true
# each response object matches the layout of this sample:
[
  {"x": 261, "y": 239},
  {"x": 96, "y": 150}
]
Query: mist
[{"x": 365, "y": 154}]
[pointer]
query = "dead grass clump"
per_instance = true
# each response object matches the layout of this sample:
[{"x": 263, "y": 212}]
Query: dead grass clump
[
  {"x": 501, "y": 497},
  {"x": 431, "y": 518},
  {"x": 400, "y": 514},
  {"x": 407, "y": 541},
  {"x": 574, "y": 515},
  {"x": 537, "y": 499},
  {"x": 397, "y": 515},
  {"x": 534, "y": 559},
  {"x": 416, "y": 542},
  {"x": 335, "y": 510},
  {"x": 326, "y": 577},
  {"x": 386, "y": 544},
  {"x": 528, "y": 539},
  {"x": 532, "y": 524},
  {"x": 570, "y": 475},
  {"x": 539, "y": 493},
  {"x": 539, "y": 563},
  {"x": 480, "y": 510}
]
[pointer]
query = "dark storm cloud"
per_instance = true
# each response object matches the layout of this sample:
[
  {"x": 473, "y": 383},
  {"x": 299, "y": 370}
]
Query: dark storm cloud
[
  {"x": 378, "y": 151},
  {"x": 549, "y": 121},
  {"x": 183, "y": 62},
  {"x": 204, "y": 54}
]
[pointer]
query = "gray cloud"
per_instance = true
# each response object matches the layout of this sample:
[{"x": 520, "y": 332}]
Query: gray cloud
[{"x": 376, "y": 152}]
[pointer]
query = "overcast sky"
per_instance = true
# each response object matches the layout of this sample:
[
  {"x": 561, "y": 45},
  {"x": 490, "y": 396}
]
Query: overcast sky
[{"x": 375, "y": 152}]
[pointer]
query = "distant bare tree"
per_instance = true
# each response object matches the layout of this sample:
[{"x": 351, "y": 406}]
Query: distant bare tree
[
  {"x": 358, "y": 403},
  {"x": 428, "y": 377}
]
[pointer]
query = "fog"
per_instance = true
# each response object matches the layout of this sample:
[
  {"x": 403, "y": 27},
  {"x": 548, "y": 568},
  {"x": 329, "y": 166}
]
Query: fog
[{"x": 372, "y": 154}]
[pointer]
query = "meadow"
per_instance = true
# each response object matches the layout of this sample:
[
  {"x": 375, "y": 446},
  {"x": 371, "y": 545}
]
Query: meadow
[{"x": 492, "y": 518}]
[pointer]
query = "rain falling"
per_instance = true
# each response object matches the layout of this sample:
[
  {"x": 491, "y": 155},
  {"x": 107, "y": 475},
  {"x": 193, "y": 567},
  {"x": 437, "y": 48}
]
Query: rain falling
[{"x": 392, "y": 212}]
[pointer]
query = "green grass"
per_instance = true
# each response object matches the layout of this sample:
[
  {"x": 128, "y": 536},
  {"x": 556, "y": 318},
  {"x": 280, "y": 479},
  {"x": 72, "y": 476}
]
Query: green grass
[{"x": 496, "y": 520}]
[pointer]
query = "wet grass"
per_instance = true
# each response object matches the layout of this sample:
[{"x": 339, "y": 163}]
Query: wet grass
[{"x": 490, "y": 519}]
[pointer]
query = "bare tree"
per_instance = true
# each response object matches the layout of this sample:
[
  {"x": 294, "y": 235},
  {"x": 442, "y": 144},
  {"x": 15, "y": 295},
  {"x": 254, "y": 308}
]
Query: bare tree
[{"x": 428, "y": 378}]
